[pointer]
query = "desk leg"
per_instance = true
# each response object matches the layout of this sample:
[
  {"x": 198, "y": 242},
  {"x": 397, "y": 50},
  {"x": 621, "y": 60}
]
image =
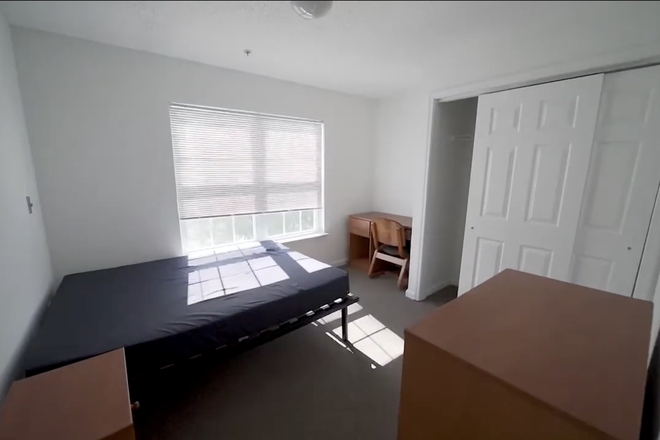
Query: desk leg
[{"x": 344, "y": 324}]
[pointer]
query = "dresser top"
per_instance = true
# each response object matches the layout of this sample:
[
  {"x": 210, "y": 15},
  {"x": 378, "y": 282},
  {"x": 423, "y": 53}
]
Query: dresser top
[{"x": 581, "y": 351}]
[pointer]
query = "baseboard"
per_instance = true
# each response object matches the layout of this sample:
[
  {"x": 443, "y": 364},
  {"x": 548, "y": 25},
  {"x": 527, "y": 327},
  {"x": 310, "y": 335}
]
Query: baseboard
[{"x": 411, "y": 294}]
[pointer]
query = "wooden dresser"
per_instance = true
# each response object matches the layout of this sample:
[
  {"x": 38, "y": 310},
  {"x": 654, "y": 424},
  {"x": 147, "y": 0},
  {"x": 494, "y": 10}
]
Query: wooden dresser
[
  {"x": 524, "y": 357},
  {"x": 360, "y": 247},
  {"x": 87, "y": 400}
]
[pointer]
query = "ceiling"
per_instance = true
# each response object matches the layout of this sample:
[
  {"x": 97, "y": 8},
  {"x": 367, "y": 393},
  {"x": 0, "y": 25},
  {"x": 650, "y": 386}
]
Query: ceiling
[{"x": 373, "y": 49}]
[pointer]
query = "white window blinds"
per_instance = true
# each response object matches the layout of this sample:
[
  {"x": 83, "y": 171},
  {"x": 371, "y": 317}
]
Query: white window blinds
[{"x": 229, "y": 162}]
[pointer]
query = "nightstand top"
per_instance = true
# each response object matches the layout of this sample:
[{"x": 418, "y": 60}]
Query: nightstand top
[{"x": 87, "y": 400}]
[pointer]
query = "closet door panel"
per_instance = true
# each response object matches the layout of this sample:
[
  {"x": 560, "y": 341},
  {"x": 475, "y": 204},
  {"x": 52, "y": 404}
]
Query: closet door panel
[
  {"x": 531, "y": 156},
  {"x": 623, "y": 180}
]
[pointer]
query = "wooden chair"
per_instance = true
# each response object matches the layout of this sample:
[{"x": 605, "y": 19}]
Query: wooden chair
[{"x": 389, "y": 240}]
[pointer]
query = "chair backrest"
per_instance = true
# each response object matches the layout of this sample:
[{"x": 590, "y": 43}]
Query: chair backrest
[{"x": 389, "y": 232}]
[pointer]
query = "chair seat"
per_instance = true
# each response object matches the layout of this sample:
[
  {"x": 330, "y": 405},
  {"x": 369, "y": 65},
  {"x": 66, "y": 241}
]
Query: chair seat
[{"x": 393, "y": 251}]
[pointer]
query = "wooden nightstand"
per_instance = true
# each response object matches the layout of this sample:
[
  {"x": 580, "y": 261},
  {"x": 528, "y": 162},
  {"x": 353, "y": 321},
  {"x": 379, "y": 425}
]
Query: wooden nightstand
[{"x": 87, "y": 400}]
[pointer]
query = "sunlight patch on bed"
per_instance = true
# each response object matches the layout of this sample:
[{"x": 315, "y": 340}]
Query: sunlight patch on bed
[
  {"x": 201, "y": 257},
  {"x": 217, "y": 281},
  {"x": 297, "y": 255},
  {"x": 222, "y": 253},
  {"x": 251, "y": 248},
  {"x": 309, "y": 264}
]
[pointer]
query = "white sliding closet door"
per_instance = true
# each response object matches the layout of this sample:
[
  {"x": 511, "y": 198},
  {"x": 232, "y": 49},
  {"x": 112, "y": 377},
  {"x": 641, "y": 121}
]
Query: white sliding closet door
[
  {"x": 531, "y": 157},
  {"x": 623, "y": 180}
]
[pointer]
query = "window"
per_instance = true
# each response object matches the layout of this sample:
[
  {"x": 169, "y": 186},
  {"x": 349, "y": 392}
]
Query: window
[{"x": 244, "y": 176}]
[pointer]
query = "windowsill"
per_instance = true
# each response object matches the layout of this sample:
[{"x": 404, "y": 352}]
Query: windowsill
[{"x": 301, "y": 237}]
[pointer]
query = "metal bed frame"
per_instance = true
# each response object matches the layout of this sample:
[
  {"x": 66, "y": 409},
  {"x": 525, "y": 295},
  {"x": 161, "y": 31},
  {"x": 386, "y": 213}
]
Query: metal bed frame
[{"x": 247, "y": 342}]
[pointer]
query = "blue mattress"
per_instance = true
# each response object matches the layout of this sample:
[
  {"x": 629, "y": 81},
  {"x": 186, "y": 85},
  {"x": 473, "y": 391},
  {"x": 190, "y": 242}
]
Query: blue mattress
[{"x": 169, "y": 310}]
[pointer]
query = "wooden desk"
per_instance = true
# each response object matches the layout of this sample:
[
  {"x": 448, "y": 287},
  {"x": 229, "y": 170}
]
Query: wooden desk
[
  {"x": 524, "y": 357},
  {"x": 87, "y": 400},
  {"x": 360, "y": 247}
]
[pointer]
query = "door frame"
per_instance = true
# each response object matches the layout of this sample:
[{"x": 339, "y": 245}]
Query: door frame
[{"x": 622, "y": 60}]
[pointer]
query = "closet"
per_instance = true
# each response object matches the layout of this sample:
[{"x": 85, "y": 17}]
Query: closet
[{"x": 563, "y": 180}]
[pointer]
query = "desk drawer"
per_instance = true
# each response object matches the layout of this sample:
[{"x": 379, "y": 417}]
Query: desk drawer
[{"x": 358, "y": 227}]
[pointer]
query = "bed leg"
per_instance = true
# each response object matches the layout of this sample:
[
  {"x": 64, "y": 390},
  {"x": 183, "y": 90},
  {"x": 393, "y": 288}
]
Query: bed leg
[{"x": 344, "y": 324}]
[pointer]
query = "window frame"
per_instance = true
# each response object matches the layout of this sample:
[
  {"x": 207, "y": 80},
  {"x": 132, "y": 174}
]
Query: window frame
[
  {"x": 318, "y": 229},
  {"x": 319, "y": 214}
]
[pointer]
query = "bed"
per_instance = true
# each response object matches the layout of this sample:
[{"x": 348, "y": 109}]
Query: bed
[{"x": 168, "y": 311}]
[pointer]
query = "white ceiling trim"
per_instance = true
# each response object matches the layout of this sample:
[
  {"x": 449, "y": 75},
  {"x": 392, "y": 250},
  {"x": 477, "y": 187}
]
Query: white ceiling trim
[{"x": 619, "y": 60}]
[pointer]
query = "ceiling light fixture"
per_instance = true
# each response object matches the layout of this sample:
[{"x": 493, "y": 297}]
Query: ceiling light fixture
[{"x": 311, "y": 9}]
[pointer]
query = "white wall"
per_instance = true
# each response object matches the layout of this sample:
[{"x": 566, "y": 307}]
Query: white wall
[
  {"x": 25, "y": 271},
  {"x": 401, "y": 132},
  {"x": 402, "y": 129},
  {"x": 99, "y": 126}
]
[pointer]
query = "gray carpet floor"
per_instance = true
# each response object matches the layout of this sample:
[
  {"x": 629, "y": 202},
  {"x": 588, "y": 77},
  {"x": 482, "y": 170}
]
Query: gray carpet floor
[{"x": 304, "y": 385}]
